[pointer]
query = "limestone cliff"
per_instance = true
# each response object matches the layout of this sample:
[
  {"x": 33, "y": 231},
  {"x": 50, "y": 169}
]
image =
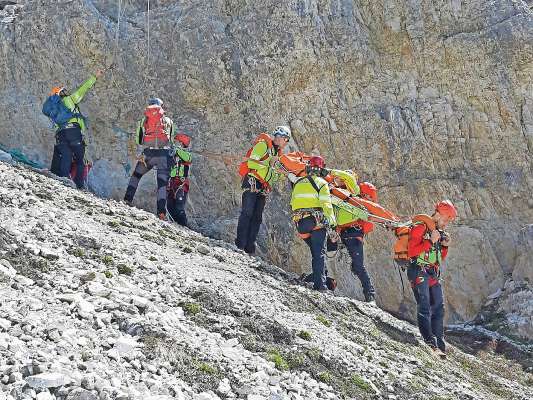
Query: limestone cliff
[{"x": 427, "y": 99}]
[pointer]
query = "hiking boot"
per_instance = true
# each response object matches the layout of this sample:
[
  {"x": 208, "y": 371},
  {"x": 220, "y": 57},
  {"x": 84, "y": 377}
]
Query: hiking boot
[
  {"x": 128, "y": 202},
  {"x": 369, "y": 298}
]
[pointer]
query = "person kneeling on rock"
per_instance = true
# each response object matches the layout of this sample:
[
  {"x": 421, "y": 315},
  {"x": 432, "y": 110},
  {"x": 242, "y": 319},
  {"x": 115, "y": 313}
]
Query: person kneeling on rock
[
  {"x": 153, "y": 137},
  {"x": 313, "y": 215}
]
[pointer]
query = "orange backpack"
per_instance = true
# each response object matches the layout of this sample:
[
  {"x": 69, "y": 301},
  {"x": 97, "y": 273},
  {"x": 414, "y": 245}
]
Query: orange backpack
[
  {"x": 263, "y": 137},
  {"x": 401, "y": 246},
  {"x": 154, "y": 126}
]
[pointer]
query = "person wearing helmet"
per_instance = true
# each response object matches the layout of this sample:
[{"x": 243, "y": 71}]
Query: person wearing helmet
[
  {"x": 313, "y": 215},
  {"x": 70, "y": 128},
  {"x": 352, "y": 226},
  {"x": 178, "y": 184},
  {"x": 426, "y": 250},
  {"x": 154, "y": 135},
  {"x": 258, "y": 175}
]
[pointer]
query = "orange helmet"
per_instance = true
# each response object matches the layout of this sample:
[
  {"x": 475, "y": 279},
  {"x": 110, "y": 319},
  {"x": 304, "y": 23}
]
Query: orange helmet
[
  {"x": 368, "y": 191},
  {"x": 184, "y": 139},
  {"x": 56, "y": 90},
  {"x": 446, "y": 208}
]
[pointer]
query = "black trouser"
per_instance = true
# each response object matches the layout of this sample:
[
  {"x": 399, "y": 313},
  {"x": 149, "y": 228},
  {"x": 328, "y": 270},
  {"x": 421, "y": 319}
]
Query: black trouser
[
  {"x": 353, "y": 240},
  {"x": 253, "y": 204},
  {"x": 69, "y": 147},
  {"x": 430, "y": 304},
  {"x": 153, "y": 158},
  {"x": 316, "y": 242},
  {"x": 176, "y": 201}
]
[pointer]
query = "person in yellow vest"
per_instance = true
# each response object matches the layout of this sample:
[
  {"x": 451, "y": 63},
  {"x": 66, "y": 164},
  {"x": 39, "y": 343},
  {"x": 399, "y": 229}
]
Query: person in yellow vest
[
  {"x": 353, "y": 225},
  {"x": 313, "y": 216},
  {"x": 258, "y": 177},
  {"x": 70, "y": 126}
]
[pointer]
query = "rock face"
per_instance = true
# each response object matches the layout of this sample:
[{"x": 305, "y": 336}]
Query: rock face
[
  {"x": 131, "y": 307},
  {"x": 427, "y": 99}
]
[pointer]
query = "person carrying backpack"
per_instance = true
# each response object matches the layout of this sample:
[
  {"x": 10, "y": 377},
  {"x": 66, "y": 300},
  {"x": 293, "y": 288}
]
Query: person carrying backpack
[
  {"x": 178, "y": 185},
  {"x": 353, "y": 225},
  {"x": 63, "y": 110},
  {"x": 426, "y": 250},
  {"x": 258, "y": 175},
  {"x": 154, "y": 142},
  {"x": 313, "y": 216}
]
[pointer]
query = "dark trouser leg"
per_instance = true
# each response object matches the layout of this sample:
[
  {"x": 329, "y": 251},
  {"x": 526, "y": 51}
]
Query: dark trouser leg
[
  {"x": 176, "y": 203},
  {"x": 55, "y": 167},
  {"x": 420, "y": 284},
  {"x": 318, "y": 253},
  {"x": 352, "y": 239},
  {"x": 162, "y": 182},
  {"x": 250, "y": 218},
  {"x": 140, "y": 170},
  {"x": 78, "y": 153},
  {"x": 437, "y": 314},
  {"x": 65, "y": 157},
  {"x": 255, "y": 223}
]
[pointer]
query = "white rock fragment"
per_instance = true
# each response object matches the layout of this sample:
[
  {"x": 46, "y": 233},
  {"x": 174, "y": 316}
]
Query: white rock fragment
[{"x": 48, "y": 380}]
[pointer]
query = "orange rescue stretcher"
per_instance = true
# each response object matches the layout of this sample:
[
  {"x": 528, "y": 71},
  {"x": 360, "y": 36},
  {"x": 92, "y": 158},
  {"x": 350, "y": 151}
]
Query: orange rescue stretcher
[{"x": 296, "y": 162}]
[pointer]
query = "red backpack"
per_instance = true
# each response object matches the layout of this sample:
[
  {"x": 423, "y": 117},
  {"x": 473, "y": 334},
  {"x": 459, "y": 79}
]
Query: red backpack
[
  {"x": 243, "y": 167},
  {"x": 154, "y": 127}
]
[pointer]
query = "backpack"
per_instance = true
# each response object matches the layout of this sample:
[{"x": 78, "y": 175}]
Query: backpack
[
  {"x": 154, "y": 127},
  {"x": 263, "y": 137},
  {"x": 58, "y": 113},
  {"x": 401, "y": 246}
]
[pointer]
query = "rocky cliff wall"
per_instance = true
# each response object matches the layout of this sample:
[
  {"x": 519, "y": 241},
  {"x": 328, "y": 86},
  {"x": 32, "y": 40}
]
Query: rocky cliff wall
[{"x": 427, "y": 99}]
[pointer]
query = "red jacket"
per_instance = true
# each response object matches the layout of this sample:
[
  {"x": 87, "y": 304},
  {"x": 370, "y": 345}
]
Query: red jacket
[{"x": 418, "y": 245}]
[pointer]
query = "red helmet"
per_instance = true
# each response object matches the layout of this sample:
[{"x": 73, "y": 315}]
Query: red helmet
[
  {"x": 369, "y": 191},
  {"x": 446, "y": 208},
  {"x": 317, "y": 162},
  {"x": 184, "y": 139}
]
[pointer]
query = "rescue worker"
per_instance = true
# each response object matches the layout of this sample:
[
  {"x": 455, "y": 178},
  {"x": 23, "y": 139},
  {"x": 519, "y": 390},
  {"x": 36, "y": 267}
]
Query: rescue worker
[
  {"x": 70, "y": 144},
  {"x": 313, "y": 216},
  {"x": 427, "y": 249},
  {"x": 178, "y": 185},
  {"x": 259, "y": 174},
  {"x": 154, "y": 141},
  {"x": 353, "y": 225}
]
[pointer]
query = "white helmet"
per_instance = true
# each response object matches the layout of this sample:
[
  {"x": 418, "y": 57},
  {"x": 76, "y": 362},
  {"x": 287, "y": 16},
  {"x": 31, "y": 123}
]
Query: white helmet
[{"x": 283, "y": 131}]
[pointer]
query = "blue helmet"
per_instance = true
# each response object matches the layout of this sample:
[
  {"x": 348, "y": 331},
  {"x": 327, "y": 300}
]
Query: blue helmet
[{"x": 155, "y": 101}]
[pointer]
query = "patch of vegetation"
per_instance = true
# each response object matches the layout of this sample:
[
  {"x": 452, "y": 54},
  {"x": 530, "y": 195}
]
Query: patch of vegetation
[
  {"x": 304, "y": 335},
  {"x": 203, "y": 376},
  {"x": 206, "y": 368},
  {"x": 152, "y": 258},
  {"x": 107, "y": 259},
  {"x": 191, "y": 308},
  {"x": 114, "y": 224},
  {"x": 325, "y": 377},
  {"x": 187, "y": 249},
  {"x": 278, "y": 360},
  {"x": 123, "y": 269},
  {"x": 360, "y": 383},
  {"x": 77, "y": 252},
  {"x": 323, "y": 320},
  {"x": 108, "y": 274}
]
